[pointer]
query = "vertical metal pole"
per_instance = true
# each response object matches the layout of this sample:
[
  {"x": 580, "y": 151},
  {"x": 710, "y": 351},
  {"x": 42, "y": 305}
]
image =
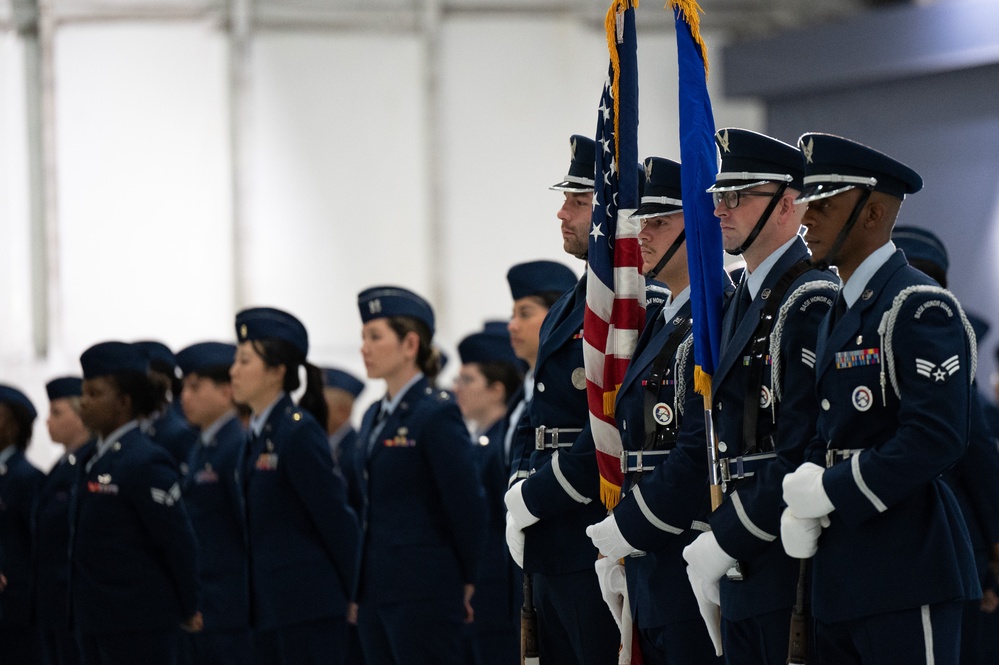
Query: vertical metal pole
[
  {"x": 240, "y": 34},
  {"x": 433, "y": 137},
  {"x": 35, "y": 26}
]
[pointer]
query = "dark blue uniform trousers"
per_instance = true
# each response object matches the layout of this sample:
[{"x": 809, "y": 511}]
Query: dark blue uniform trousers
[
  {"x": 420, "y": 632},
  {"x": 680, "y": 643},
  {"x": 758, "y": 640},
  {"x": 218, "y": 647},
  {"x": 928, "y": 634},
  {"x": 307, "y": 643},
  {"x": 150, "y": 647},
  {"x": 59, "y": 647},
  {"x": 572, "y": 628}
]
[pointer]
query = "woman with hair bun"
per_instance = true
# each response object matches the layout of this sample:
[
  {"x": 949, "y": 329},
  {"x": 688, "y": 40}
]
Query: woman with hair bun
[
  {"x": 425, "y": 508},
  {"x": 303, "y": 537}
]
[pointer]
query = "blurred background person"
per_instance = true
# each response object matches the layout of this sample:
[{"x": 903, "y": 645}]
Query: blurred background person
[
  {"x": 51, "y": 522},
  {"x": 19, "y": 485},
  {"x": 303, "y": 537},
  {"x": 425, "y": 509},
  {"x": 490, "y": 374},
  {"x": 214, "y": 500},
  {"x": 133, "y": 581}
]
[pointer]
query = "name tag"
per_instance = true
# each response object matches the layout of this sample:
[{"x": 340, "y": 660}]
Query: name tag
[
  {"x": 267, "y": 462},
  {"x": 102, "y": 488},
  {"x": 399, "y": 442},
  {"x": 207, "y": 476}
]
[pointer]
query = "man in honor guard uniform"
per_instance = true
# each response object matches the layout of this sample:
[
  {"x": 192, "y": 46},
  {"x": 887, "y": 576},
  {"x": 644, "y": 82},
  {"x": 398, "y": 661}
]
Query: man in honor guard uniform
[
  {"x": 19, "y": 485},
  {"x": 166, "y": 425},
  {"x": 133, "y": 581},
  {"x": 51, "y": 522},
  {"x": 490, "y": 374},
  {"x": 763, "y": 406},
  {"x": 214, "y": 500},
  {"x": 894, "y": 366},
  {"x": 341, "y": 390},
  {"x": 547, "y": 536},
  {"x": 664, "y": 502}
]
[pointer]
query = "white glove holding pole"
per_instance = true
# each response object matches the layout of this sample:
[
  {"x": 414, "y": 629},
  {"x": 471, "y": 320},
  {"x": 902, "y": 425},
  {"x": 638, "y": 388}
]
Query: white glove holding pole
[
  {"x": 607, "y": 537},
  {"x": 800, "y": 535},
  {"x": 709, "y": 563},
  {"x": 710, "y": 612},
  {"x": 613, "y": 587},
  {"x": 516, "y": 507},
  {"x": 804, "y": 493},
  {"x": 515, "y": 540}
]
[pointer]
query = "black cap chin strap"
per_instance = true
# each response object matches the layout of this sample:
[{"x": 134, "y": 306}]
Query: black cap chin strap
[
  {"x": 759, "y": 225},
  {"x": 667, "y": 256},
  {"x": 830, "y": 259}
]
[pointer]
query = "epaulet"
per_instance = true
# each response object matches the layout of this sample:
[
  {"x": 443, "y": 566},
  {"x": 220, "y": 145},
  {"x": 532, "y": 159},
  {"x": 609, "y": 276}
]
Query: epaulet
[
  {"x": 438, "y": 395},
  {"x": 680, "y": 387},
  {"x": 797, "y": 300},
  {"x": 886, "y": 329}
]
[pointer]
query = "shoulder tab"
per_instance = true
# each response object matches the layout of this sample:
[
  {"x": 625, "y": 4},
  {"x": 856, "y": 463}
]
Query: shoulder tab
[
  {"x": 814, "y": 292},
  {"x": 933, "y": 297}
]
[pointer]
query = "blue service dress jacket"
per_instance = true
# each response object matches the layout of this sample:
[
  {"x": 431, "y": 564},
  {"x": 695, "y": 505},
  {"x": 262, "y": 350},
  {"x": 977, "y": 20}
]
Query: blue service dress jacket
[
  {"x": 214, "y": 500},
  {"x": 349, "y": 456},
  {"x": 975, "y": 483},
  {"x": 303, "y": 537},
  {"x": 51, "y": 533},
  {"x": 170, "y": 430},
  {"x": 425, "y": 522},
  {"x": 133, "y": 552},
  {"x": 894, "y": 383},
  {"x": 19, "y": 485},
  {"x": 747, "y": 524},
  {"x": 495, "y": 602}
]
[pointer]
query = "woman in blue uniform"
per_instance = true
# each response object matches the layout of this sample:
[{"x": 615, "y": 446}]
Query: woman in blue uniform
[
  {"x": 303, "y": 537},
  {"x": 214, "y": 500},
  {"x": 51, "y": 522},
  {"x": 490, "y": 374},
  {"x": 426, "y": 513},
  {"x": 19, "y": 483},
  {"x": 134, "y": 574}
]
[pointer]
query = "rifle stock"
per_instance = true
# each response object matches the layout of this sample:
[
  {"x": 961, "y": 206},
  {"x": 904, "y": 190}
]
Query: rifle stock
[{"x": 528, "y": 626}]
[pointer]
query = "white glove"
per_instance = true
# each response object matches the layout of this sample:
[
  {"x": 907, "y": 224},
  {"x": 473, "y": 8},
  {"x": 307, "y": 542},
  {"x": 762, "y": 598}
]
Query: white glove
[
  {"x": 710, "y": 611},
  {"x": 709, "y": 562},
  {"x": 515, "y": 540},
  {"x": 517, "y": 509},
  {"x": 607, "y": 538},
  {"x": 800, "y": 535},
  {"x": 804, "y": 493},
  {"x": 613, "y": 586}
]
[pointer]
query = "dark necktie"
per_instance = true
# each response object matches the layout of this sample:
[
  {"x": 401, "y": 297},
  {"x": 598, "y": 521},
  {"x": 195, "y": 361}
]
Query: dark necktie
[
  {"x": 839, "y": 309},
  {"x": 743, "y": 303}
]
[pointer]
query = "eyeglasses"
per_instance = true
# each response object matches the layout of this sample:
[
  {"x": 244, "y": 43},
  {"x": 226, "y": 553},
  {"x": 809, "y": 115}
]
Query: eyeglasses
[{"x": 731, "y": 198}]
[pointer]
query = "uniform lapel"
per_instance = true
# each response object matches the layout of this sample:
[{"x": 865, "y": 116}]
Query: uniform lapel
[
  {"x": 564, "y": 323},
  {"x": 732, "y": 349}
]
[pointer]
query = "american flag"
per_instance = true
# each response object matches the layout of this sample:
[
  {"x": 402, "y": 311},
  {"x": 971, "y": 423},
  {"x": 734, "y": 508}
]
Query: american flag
[{"x": 615, "y": 287}]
